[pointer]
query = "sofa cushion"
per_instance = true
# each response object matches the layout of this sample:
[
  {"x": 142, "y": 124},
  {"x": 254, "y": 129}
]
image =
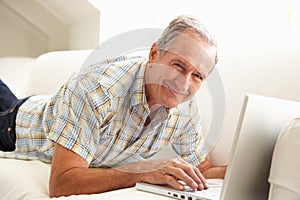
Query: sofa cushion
[
  {"x": 264, "y": 70},
  {"x": 15, "y": 73},
  {"x": 284, "y": 175},
  {"x": 29, "y": 180},
  {"x": 52, "y": 69},
  {"x": 24, "y": 179}
]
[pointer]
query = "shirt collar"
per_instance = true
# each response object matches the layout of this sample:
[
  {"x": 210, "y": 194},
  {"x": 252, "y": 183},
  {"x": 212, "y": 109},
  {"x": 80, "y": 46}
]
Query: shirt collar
[{"x": 138, "y": 92}]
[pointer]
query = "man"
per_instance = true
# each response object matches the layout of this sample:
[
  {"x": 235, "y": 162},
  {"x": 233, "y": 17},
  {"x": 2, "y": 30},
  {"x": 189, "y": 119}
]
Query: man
[{"x": 101, "y": 125}]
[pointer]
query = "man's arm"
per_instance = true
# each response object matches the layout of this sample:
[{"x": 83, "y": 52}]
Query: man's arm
[
  {"x": 70, "y": 174},
  {"x": 210, "y": 171}
]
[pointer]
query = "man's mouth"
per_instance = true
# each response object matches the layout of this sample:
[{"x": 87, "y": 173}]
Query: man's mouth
[{"x": 174, "y": 89}]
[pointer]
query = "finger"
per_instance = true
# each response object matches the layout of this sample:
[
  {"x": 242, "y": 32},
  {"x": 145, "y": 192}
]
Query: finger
[
  {"x": 194, "y": 173},
  {"x": 203, "y": 184},
  {"x": 170, "y": 180},
  {"x": 182, "y": 161},
  {"x": 180, "y": 174}
]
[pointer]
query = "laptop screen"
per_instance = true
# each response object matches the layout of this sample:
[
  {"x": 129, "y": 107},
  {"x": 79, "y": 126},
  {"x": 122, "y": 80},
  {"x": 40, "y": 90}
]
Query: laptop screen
[{"x": 261, "y": 120}]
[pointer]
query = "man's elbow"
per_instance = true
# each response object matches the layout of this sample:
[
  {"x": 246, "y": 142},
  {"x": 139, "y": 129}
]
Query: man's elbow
[
  {"x": 55, "y": 188},
  {"x": 54, "y": 192},
  {"x": 60, "y": 185}
]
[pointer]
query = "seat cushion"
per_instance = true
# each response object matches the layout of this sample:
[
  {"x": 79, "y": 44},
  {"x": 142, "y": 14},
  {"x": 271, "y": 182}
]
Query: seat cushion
[{"x": 24, "y": 179}]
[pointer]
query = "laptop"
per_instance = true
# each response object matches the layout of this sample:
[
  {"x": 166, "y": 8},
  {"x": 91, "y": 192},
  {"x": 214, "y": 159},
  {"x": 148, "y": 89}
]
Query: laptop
[{"x": 261, "y": 120}]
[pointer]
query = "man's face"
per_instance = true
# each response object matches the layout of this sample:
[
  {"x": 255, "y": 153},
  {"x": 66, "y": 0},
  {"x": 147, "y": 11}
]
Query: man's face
[{"x": 175, "y": 75}]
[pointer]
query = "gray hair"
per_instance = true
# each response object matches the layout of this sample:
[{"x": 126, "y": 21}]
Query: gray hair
[{"x": 182, "y": 23}]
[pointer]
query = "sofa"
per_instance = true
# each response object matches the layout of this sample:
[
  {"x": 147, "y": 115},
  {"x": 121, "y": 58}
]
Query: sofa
[{"x": 270, "y": 71}]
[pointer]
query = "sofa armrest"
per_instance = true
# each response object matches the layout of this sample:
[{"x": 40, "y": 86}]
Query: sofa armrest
[{"x": 284, "y": 175}]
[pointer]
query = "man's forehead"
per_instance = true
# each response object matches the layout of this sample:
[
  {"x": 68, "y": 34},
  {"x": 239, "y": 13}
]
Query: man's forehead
[{"x": 193, "y": 50}]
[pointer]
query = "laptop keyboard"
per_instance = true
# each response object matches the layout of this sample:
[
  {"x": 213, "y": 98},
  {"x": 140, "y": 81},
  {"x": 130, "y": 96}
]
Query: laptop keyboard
[{"x": 211, "y": 193}]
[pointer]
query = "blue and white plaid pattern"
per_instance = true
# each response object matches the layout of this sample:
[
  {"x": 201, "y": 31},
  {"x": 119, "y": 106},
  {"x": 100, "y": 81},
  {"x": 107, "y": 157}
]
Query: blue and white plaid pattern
[{"x": 100, "y": 113}]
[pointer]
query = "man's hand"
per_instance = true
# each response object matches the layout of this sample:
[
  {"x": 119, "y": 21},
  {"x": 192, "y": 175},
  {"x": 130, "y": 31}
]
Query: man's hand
[
  {"x": 168, "y": 172},
  {"x": 210, "y": 171}
]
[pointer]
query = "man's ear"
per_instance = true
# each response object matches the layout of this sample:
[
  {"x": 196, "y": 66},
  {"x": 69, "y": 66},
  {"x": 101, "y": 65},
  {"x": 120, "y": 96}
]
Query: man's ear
[{"x": 153, "y": 53}]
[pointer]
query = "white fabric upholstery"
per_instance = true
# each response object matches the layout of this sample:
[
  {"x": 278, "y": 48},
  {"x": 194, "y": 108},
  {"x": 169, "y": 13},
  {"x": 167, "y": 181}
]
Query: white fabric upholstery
[
  {"x": 24, "y": 180},
  {"x": 284, "y": 175},
  {"x": 15, "y": 72},
  {"x": 124, "y": 194},
  {"x": 264, "y": 71},
  {"x": 52, "y": 69},
  {"x": 29, "y": 180}
]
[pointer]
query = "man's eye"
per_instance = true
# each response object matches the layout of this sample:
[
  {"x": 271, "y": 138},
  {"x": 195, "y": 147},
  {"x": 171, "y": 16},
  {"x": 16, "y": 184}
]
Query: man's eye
[
  {"x": 179, "y": 66},
  {"x": 199, "y": 76}
]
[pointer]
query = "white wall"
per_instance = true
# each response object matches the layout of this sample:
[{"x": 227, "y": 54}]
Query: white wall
[
  {"x": 18, "y": 37},
  {"x": 31, "y": 28},
  {"x": 233, "y": 22},
  {"x": 84, "y": 34},
  {"x": 41, "y": 31}
]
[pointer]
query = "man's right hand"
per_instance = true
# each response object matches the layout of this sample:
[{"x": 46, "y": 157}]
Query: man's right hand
[{"x": 167, "y": 172}]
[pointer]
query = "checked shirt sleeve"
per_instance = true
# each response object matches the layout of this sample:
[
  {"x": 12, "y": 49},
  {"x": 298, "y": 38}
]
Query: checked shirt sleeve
[{"x": 76, "y": 124}]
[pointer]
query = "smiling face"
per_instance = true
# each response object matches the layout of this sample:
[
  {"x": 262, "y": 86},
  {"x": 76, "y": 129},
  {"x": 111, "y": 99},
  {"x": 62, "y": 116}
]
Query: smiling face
[{"x": 175, "y": 74}]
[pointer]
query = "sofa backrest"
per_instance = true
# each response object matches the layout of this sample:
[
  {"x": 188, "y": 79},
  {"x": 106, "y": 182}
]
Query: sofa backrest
[
  {"x": 52, "y": 69},
  {"x": 264, "y": 71},
  {"x": 14, "y": 71}
]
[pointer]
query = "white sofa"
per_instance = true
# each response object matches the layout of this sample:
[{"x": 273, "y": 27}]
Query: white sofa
[
  {"x": 265, "y": 71},
  {"x": 284, "y": 174}
]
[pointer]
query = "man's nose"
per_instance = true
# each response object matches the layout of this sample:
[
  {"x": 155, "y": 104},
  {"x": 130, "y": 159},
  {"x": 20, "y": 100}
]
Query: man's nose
[{"x": 182, "y": 82}]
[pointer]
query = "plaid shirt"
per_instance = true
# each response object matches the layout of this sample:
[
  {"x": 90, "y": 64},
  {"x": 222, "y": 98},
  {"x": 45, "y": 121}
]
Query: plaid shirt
[{"x": 100, "y": 113}]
